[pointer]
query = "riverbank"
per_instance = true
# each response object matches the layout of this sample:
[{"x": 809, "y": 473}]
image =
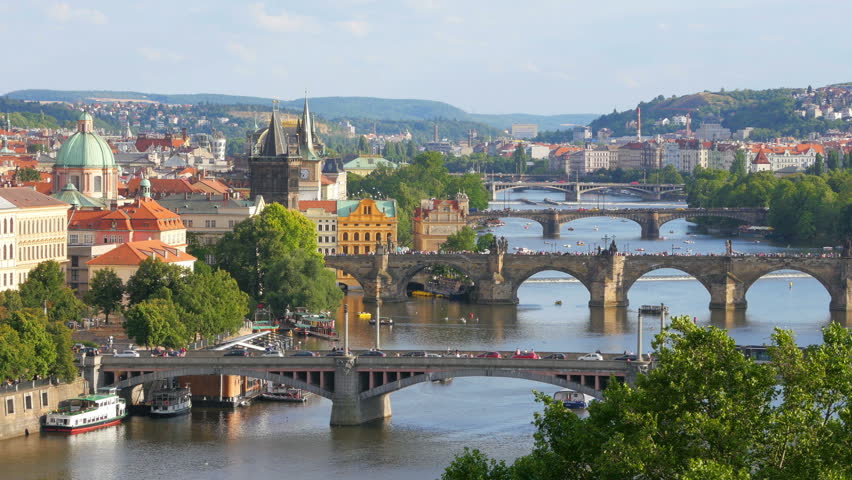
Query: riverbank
[{"x": 25, "y": 403}]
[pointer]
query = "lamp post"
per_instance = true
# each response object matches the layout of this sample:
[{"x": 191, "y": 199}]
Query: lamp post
[{"x": 346, "y": 329}]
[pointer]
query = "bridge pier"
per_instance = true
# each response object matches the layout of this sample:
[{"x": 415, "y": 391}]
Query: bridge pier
[
  {"x": 651, "y": 226},
  {"x": 348, "y": 408},
  {"x": 606, "y": 289},
  {"x": 550, "y": 228},
  {"x": 841, "y": 299},
  {"x": 729, "y": 294}
]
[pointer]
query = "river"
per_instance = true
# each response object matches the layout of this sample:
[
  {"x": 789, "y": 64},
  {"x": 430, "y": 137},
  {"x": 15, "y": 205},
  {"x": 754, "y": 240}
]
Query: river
[{"x": 433, "y": 422}]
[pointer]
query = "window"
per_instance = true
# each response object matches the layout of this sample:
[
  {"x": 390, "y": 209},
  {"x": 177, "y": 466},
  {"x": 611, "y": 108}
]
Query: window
[
  {"x": 188, "y": 223},
  {"x": 98, "y": 183},
  {"x": 28, "y": 401},
  {"x": 357, "y": 237},
  {"x": 357, "y": 250},
  {"x": 367, "y": 237},
  {"x": 210, "y": 223},
  {"x": 319, "y": 228},
  {"x": 74, "y": 239},
  {"x": 75, "y": 261},
  {"x": 44, "y": 401},
  {"x": 345, "y": 236},
  {"x": 231, "y": 223},
  {"x": 10, "y": 405}
]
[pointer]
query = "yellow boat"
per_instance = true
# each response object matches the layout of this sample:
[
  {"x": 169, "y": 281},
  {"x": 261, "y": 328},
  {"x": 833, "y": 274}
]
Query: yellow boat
[
  {"x": 421, "y": 293},
  {"x": 365, "y": 315}
]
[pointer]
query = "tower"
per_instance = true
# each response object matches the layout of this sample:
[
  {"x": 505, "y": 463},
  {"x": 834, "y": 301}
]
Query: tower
[
  {"x": 270, "y": 168},
  {"x": 639, "y": 123}
]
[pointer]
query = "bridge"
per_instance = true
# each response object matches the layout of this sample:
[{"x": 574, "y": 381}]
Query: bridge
[
  {"x": 498, "y": 275},
  {"x": 359, "y": 387},
  {"x": 573, "y": 190},
  {"x": 650, "y": 219}
]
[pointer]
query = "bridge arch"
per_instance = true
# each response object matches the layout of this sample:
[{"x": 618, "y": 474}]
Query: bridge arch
[
  {"x": 238, "y": 371},
  {"x": 519, "y": 279},
  {"x": 753, "y": 277},
  {"x": 351, "y": 272},
  {"x": 696, "y": 272},
  {"x": 507, "y": 188},
  {"x": 403, "y": 278},
  {"x": 484, "y": 372}
]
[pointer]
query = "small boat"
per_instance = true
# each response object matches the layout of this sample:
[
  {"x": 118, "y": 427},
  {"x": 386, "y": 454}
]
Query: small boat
[
  {"x": 596, "y": 228},
  {"x": 365, "y": 315},
  {"x": 675, "y": 247},
  {"x": 282, "y": 393},
  {"x": 570, "y": 229},
  {"x": 580, "y": 243},
  {"x": 558, "y": 302},
  {"x": 171, "y": 402},
  {"x": 689, "y": 241},
  {"x": 671, "y": 231},
  {"x": 86, "y": 413},
  {"x": 567, "y": 245},
  {"x": 382, "y": 321},
  {"x": 640, "y": 249},
  {"x": 573, "y": 400}
]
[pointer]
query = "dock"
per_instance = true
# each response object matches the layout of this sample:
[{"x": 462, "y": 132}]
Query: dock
[{"x": 654, "y": 309}]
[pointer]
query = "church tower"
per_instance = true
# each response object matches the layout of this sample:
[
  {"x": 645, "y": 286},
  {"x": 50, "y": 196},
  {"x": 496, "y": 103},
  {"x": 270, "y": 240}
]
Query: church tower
[{"x": 272, "y": 174}]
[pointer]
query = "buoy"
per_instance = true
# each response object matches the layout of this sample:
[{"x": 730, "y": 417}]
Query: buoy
[{"x": 791, "y": 285}]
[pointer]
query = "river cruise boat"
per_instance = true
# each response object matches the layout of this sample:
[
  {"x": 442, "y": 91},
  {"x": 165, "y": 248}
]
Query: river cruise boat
[
  {"x": 283, "y": 393},
  {"x": 573, "y": 400},
  {"x": 86, "y": 413},
  {"x": 307, "y": 323},
  {"x": 171, "y": 402}
]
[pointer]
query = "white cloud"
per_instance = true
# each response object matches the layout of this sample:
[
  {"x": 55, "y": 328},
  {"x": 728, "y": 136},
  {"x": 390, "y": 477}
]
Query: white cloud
[
  {"x": 283, "y": 22},
  {"x": 63, "y": 12},
  {"x": 242, "y": 52},
  {"x": 156, "y": 55},
  {"x": 358, "y": 28}
]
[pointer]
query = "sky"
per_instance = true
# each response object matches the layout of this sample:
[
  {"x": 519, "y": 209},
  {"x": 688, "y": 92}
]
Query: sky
[{"x": 488, "y": 56}]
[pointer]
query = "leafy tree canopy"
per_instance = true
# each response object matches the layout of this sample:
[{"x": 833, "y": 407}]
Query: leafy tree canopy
[
  {"x": 106, "y": 290},
  {"x": 45, "y": 287},
  {"x": 153, "y": 276}
]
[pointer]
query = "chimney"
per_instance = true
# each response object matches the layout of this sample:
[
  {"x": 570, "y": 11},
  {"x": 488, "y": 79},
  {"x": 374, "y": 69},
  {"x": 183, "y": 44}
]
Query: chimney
[
  {"x": 436, "y": 132},
  {"x": 183, "y": 133},
  {"x": 638, "y": 124}
]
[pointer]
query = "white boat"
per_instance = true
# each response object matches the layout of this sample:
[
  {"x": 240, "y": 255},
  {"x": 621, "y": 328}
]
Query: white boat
[
  {"x": 573, "y": 400},
  {"x": 86, "y": 413},
  {"x": 382, "y": 321},
  {"x": 171, "y": 402},
  {"x": 283, "y": 393}
]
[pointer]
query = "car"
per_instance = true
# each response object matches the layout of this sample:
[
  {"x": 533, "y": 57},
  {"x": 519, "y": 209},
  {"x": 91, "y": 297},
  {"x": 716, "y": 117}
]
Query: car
[
  {"x": 90, "y": 351},
  {"x": 305, "y": 353},
  {"x": 126, "y": 353},
  {"x": 373, "y": 353},
  {"x": 272, "y": 353},
  {"x": 335, "y": 353},
  {"x": 489, "y": 355},
  {"x": 238, "y": 353},
  {"x": 626, "y": 358},
  {"x": 591, "y": 356},
  {"x": 556, "y": 356},
  {"x": 415, "y": 354},
  {"x": 525, "y": 354}
]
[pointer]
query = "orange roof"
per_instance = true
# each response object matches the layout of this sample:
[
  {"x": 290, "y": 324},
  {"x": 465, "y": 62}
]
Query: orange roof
[
  {"x": 761, "y": 158},
  {"x": 45, "y": 188},
  {"x": 329, "y": 206},
  {"x": 133, "y": 253},
  {"x": 326, "y": 181},
  {"x": 209, "y": 185},
  {"x": 161, "y": 185}
]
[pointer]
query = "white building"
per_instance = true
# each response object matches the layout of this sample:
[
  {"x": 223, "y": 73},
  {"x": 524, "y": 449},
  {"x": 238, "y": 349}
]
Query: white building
[
  {"x": 712, "y": 132},
  {"x": 590, "y": 159}
]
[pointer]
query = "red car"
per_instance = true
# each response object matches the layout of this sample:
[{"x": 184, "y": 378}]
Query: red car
[
  {"x": 489, "y": 355},
  {"x": 526, "y": 354}
]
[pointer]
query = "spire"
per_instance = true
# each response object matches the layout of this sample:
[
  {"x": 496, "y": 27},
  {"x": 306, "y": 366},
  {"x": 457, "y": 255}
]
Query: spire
[
  {"x": 307, "y": 126},
  {"x": 274, "y": 144}
]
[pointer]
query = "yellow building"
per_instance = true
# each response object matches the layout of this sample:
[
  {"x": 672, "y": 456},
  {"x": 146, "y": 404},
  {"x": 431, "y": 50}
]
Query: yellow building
[
  {"x": 435, "y": 220},
  {"x": 361, "y": 224}
]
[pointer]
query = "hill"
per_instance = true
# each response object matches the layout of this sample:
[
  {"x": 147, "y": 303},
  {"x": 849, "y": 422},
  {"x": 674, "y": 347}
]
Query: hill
[{"x": 329, "y": 107}]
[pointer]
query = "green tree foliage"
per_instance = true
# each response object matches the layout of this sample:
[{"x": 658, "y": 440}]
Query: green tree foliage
[
  {"x": 704, "y": 411},
  {"x": 106, "y": 290},
  {"x": 157, "y": 322},
  {"x": 152, "y": 277},
  {"x": 31, "y": 345},
  {"x": 486, "y": 242},
  {"x": 475, "y": 465},
  {"x": 28, "y": 174},
  {"x": 299, "y": 279},
  {"x": 212, "y": 302},
  {"x": 45, "y": 287},
  {"x": 519, "y": 157},
  {"x": 13, "y": 358},
  {"x": 260, "y": 241},
  {"x": 462, "y": 241},
  {"x": 738, "y": 167}
]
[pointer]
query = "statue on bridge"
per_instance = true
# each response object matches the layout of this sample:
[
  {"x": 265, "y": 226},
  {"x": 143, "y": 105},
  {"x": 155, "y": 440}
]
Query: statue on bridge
[
  {"x": 611, "y": 251},
  {"x": 729, "y": 247},
  {"x": 502, "y": 246},
  {"x": 847, "y": 247}
]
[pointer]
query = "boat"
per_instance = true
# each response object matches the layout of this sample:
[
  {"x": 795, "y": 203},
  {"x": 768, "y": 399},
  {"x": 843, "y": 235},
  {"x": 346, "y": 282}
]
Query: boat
[
  {"x": 573, "y": 400},
  {"x": 283, "y": 393},
  {"x": 367, "y": 315},
  {"x": 382, "y": 321},
  {"x": 86, "y": 413},
  {"x": 171, "y": 402},
  {"x": 494, "y": 222},
  {"x": 640, "y": 249},
  {"x": 318, "y": 324},
  {"x": 570, "y": 229},
  {"x": 550, "y": 202},
  {"x": 580, "y": 243},
  {"x": 558, "y": 302},
  {"x": 689, "y": 241},
  {"x": 596, "y": 228},
  {"x": 527, "y": 202},
  {"x": 671, "y": 231},
  {"x": 675, "y": 247}
]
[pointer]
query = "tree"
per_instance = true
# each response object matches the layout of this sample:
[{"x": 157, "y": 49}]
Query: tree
[
  {"x": 28, "y": 174},
  {"x": 12, "y": 361},
  {"x": 738, "y": 167},
  {"x": 300, "y": 279},
  {"x": 213, "y": 303},
  {"x": 156, "y": 322},
  {"x": 38, "y": 344},
  {"x": 363, "y": 146},
  {"x": 106, "y": 290},
  {"x": 152, "y": 276},
  {"x": 462, "y": 241},
  {"x": 45, "y": 287},
  {"x": 519, "y": 157},
  {"x": 486, "y": 242},
  {"x": 704, "y": 411}
]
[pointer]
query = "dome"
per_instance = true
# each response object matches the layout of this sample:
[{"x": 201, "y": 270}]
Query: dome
[
  {"x": 85, "y": 116},
  {"x": 85, "y": 149},
  {"x": 145, "y": 183}
]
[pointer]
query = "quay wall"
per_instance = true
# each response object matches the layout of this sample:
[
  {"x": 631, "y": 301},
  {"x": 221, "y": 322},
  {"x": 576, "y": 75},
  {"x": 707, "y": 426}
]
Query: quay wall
[{"x": 22, "y": 409}]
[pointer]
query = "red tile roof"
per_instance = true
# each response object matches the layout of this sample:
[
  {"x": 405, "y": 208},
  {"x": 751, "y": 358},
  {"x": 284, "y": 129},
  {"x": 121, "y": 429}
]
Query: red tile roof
[
  {"x": 329, "y": 206},
  {"x": 133, "y": 253}
]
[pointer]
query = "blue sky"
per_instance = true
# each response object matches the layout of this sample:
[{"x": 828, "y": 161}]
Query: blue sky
[{"x": 487, "y": 56}]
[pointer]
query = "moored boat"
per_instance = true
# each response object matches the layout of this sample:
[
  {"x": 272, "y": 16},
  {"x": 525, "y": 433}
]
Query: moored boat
[
  {"x": 573, "y": 400},
  {"x": 171, "y": 402},
  {"x": 86, "y": 413},
  {"x": 382, "y": 321},
  {"x": 282, "y": 393}
]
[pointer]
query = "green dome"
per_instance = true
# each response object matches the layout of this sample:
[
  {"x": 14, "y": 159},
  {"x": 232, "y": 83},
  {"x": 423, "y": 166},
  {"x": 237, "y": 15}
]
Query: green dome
[
  {"x": 85, "y": 150},
  {"x": 85, "y": 116}
]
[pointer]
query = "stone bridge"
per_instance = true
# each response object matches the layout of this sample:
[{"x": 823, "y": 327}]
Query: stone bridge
[
  {"x": 359, "y": 387},
  {"x": 650, "y": 219},
  {"x": 497, "y": 275},
  {"x": 573, "y": 190}
]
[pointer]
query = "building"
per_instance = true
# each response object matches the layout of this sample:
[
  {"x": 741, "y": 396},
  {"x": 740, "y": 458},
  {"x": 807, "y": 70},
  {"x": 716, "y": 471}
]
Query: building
[
  {"x": 361, "y": 225},
  {"x": 435, "y": 220},
  {"x": 334, "y": 180},
  {"x": 524, "y": 130},
  {"x": 210, "y": 216},
  {"x": 125, "y": 259},
  {"x": 86, "y": 161},
  {"x": 285, "y": 165},
  {"x": 32, "y": 230},
  {"x": 324, "y": 215},
  {"x": 761, "y": 163},
  {"x": 582, "y": 133},
  {"x": 590, "y": 159},
  {"x": 364, "y": 165},
  {"x": 712, "y": 132}
]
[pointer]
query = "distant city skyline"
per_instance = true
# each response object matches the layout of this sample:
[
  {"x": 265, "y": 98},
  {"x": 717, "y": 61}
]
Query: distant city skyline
[{"x": 545, "y": 57}]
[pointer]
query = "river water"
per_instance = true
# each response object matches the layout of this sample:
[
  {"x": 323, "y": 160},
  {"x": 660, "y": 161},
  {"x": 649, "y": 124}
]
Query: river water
[{"x": 433, "y": 422}]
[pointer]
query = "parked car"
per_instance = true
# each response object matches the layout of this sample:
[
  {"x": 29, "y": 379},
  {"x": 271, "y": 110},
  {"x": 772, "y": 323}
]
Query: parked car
[
  {"x": 305, "y": 353},
  {"x": 272, "y": 353},
  {"x": 626, "y": 358},
  {"x": 238, "y": 353},
  {"x": 525, "y": 354},
  {"x": 335, "y": 353},
  {"x": 373, "y": 353},
  {"x": 556, "y": 356},
  {"x": 90, "y": 351},
  {"x": 415, "y": 354},
  {"x": 489, "y": 355},
  {"x": 591, "y": 356},
  {"x": 126, "y": 353}
]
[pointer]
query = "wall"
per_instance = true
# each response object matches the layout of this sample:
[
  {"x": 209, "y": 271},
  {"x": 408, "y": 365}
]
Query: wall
[{"x": 16, "y": 424}]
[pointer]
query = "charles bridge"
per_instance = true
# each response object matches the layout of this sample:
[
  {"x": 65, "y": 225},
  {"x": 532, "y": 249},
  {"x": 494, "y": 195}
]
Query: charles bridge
[
  {"x": 650, "y": 219},
  {"x": 359, "y": 387},
  {"x": 573, "y": 190},
  {"x": 498, "y": 275}
]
